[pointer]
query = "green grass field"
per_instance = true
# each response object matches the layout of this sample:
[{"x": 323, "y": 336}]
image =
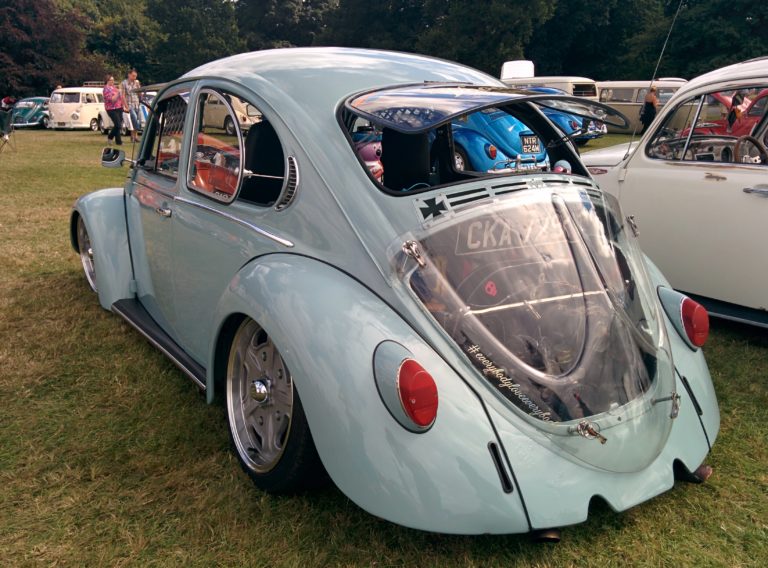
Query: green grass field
[{"x": 110, "y": 457}]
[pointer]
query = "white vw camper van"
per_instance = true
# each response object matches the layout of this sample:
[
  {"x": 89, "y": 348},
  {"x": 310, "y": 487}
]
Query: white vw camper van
[{"x": 76, "y": 107}]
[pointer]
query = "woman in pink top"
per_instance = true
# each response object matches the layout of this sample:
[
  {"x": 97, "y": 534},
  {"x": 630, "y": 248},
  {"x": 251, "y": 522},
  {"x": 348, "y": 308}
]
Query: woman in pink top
[{"x": 113, "y": 104}]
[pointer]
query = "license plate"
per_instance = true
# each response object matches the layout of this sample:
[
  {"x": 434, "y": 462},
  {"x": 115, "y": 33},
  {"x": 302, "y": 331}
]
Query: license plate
[{"x": 530, "y": 144}]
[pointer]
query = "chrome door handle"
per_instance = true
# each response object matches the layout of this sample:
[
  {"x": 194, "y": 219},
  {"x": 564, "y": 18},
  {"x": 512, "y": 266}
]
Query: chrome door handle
[
  {"x": 762, "y": 191},
  {"x": 163, "y": 212}
]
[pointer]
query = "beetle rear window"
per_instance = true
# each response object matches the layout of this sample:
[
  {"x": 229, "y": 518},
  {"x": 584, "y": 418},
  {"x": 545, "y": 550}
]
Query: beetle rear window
[{"x": 413, "y": 138}]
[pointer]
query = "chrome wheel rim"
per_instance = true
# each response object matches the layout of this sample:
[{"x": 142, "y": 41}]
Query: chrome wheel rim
[
  {"x": 259, "y": 398},
  {"x": 458, "y": 161},
  {"x": 86, "y": 253},
  {"x": 94, "y": 124},
  {"x": 229, "y": 126}
]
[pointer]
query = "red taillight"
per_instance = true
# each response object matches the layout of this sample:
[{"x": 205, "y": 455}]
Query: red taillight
[
  {"x": 490, "y": 149},
  {"x": 695, "y": 321},
  {"x": 575, "y": 125},
  {"x": 418, "y": 393}
]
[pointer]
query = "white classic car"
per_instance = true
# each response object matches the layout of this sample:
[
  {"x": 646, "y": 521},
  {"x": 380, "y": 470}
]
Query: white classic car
[{"x": 697, "y": 187}]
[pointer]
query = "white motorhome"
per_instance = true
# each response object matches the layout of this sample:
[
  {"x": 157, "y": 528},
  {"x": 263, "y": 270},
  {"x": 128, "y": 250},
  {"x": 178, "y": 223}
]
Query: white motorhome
[
  {"x": 627, "y": 97},
  {"x": 76, "y": 107},
  {"x": 520, "y": 74}
]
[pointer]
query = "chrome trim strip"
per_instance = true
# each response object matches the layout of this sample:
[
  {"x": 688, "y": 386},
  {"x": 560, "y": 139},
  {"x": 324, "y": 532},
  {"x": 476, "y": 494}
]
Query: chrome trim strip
[
  {"x": 159, "y": 347},
  {"x": 533, "y": 302},
  {"x": 168, "y": 194},
  {"x": 259, "y": 230},
  {"x": 737, "y": 319}
]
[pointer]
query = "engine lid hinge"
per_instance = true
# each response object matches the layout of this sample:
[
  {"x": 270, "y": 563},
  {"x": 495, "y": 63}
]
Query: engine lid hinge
[{"x": 675, "y": 399}]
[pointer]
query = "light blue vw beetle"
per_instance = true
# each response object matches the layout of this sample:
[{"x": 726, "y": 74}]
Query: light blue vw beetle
[{"x": 461, "y": 352}]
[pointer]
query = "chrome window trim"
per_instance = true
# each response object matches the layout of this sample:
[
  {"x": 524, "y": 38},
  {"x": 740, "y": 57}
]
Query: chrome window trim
[
  {"x": 146, "y": 146},
  {"x": 196, "y": 127},
  {"x": 259, "y": 230}
]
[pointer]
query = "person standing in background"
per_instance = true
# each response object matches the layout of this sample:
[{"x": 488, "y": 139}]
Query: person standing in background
[
  {"x": 113, "y": 104},
  {"x": 129, "y": 89},
  {"x": 648, "y": 112}
]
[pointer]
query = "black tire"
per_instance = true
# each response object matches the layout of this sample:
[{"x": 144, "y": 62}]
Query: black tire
[
  {"x": 94, "y": 125},
  {"x": 460, "y": 159},
  {"x": 229, "y": 126},
  {"x": 289, "y": 462}
]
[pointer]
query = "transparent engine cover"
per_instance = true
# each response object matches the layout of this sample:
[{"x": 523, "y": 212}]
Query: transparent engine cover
[{"x": 545, "y": 293}]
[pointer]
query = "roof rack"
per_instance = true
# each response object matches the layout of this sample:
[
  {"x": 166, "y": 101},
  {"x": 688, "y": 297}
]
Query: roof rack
[{"x": 93, "y": 83}]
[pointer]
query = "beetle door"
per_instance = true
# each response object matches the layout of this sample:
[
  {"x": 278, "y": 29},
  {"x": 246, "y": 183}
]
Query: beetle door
[
  {"x": 151, "y": 209},
  {"x": 224, "y": 214},
  {"x": 700, "y": 198}
]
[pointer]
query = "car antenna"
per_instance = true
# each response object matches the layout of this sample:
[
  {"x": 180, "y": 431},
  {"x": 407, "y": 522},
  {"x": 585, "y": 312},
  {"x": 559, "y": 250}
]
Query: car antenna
[{"x": 656, "y": 70}]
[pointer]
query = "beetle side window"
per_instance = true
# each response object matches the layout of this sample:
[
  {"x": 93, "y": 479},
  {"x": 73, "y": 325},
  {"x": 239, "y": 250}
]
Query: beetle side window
[
  {"x": 264, "y": 162},
  {"x": 715, "y": 127},
  {"x": 216, "y": 164},
  {"x": 669, "y": 141},
  {"x": 169, "y": 132}
]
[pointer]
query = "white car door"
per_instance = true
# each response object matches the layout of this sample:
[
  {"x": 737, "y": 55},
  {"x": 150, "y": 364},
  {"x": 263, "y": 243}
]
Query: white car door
[{"x": 702, "y": 212}]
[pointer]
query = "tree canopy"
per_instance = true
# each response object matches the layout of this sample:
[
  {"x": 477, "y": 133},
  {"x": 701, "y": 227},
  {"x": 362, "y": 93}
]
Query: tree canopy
[{"x": 45, "y": 42}]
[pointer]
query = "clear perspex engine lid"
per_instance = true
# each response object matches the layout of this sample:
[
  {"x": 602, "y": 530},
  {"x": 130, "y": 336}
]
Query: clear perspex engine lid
[{"x": 545, "y": 293}]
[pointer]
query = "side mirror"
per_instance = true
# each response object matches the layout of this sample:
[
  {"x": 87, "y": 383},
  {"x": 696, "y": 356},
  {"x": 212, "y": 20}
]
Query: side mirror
[{"x": 112, "y": 157}]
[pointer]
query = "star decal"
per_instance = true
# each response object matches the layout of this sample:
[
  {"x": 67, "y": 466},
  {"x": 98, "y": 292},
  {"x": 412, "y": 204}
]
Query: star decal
[{"x": 431, "y": 208}]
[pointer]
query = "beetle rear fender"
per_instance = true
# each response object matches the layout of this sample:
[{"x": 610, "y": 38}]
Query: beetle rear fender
[
  {"x": 473, "y": 143},
  {"x": 327, "y": 327},
  {"x": 103, "y": 213}
]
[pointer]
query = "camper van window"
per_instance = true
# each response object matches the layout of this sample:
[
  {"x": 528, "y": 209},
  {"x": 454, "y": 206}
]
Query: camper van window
[
  {"x": 70, "y": 97},
  {"x": 662, "y": 93},
  {"x": 617, "y": 95}
]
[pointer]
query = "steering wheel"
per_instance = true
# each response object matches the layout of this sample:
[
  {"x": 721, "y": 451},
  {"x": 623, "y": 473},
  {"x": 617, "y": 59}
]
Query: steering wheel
[{"x": 756, "y": 143}]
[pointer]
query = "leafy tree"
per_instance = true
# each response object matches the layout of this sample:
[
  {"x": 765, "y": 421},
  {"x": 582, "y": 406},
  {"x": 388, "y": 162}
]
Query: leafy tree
[
  {"x": 482, "y": 36},
  {"x": 396, "y": 24},
  {"x": 193, "y": 32},
  {"x": 40, "y": 46},
  {"x": 588, "y": 38},
  {"x": 128, "y": 39},
  {"x": 707, "y": 34},
  {"x": 266, "y": 24}
]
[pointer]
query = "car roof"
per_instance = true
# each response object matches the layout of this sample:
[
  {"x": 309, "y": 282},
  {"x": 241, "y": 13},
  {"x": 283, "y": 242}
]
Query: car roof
[
  {"x": 752, "y": 69},
  {"x": 79, "y": 90},
  {"x": 318, "y": 78},
  {"x": 639, "y": 84}
]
